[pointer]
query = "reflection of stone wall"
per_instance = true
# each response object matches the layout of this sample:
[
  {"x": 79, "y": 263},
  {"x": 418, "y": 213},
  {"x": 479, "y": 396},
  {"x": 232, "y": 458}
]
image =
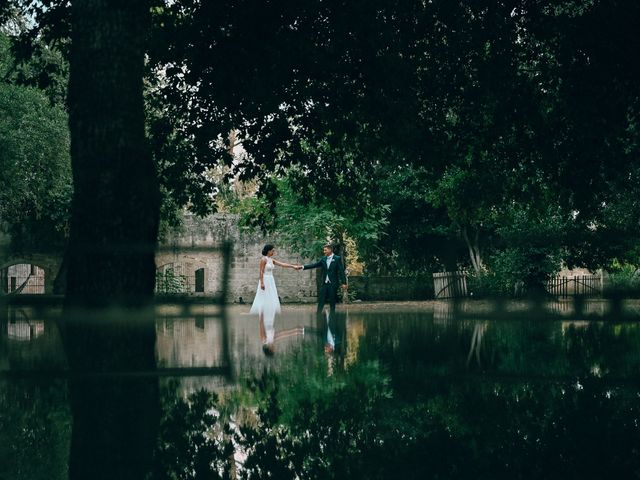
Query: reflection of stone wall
[
  {"x": 197, "y": 342},
  {"x": 29, "y": 341},
  {"x": 23, "y": 330},
  {"x": 293, "y": 286},
  {"x": 189, "y": 342}
]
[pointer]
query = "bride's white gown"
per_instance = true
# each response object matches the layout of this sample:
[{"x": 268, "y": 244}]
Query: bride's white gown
[{"x": 267, "y": 302}]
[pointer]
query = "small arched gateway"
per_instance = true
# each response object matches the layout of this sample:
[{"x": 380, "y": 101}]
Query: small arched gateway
[
  {"x": 29, "y": 274},
  {"x": 181, "y": 277},
  {"x": 22, "y": 278}
]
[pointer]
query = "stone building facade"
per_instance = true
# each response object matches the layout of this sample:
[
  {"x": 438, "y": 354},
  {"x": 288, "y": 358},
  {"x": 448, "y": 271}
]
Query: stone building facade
[{"x": 194, "y": 255}]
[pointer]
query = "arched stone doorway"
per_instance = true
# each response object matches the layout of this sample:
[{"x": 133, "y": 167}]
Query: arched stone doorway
[
  {"x": 22, "y": 278},
  {"x": 39, "y": 271},
  {"x": 181, "y": 277}
]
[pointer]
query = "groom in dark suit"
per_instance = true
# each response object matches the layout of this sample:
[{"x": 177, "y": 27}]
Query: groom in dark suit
[{"x": 332, "y": 276}]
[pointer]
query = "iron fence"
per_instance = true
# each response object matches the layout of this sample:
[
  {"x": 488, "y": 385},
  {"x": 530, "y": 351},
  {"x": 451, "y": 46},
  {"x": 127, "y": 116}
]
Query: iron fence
[{"x": 579, "y": 285}]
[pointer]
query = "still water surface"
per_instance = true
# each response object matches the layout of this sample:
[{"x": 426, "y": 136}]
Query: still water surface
[{"x": 419, "y": 390}]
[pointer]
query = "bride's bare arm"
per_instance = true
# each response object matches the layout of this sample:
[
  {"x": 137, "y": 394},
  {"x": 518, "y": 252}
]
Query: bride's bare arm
[
  {"x": 263, "y": 262},
  {"x": 282, "y": 264}
]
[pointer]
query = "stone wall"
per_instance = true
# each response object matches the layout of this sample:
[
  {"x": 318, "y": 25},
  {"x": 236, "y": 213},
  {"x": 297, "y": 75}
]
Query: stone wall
[
  {"x": 189, "y": 249},
  {"x": 196, "y": 248},
  {"x": 293, "y": 286}
]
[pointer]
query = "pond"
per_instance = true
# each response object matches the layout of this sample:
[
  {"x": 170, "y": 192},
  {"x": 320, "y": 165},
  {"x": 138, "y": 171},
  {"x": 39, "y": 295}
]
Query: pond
[{"x": 406, "y": 390}]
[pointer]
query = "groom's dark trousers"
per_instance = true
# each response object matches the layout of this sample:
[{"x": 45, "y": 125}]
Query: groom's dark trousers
[{"x": 327, "y": 293}]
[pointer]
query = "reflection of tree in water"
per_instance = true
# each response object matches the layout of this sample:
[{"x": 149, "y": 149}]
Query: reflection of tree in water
[
  {"x": 113, "y": 392},
  {"x": 35, "y": 430},
  {"x": 194, "y": 439},
  {"x": 355, "y": 425},
  {"x": 417, "y": 418},
  {"x": 476, "y": 342},
  {"x": 548, "y": 416},
  {"x": 419, "y": 413},
  {"x": 367, "y": 421}
]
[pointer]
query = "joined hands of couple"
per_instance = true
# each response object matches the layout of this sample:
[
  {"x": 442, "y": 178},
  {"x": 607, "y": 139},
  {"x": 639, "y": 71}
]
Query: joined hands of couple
[{"x": 300, "y": 267}]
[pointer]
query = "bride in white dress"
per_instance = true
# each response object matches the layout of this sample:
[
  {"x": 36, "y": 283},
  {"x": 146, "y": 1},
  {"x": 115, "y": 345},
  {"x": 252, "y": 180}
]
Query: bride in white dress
[{"x": 266, "y": 303}]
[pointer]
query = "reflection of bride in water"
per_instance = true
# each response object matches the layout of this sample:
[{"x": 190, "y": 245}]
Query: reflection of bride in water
[{"x": 269, "y": 336}]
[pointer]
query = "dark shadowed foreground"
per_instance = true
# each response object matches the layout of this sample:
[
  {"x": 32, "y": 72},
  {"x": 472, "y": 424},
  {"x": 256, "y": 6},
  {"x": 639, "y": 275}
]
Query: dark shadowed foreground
[{"x": 379, "y": 391}]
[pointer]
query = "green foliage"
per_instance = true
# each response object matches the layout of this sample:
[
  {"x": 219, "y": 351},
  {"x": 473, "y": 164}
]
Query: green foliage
[
  {"x": 623, "y": 279},
  {"x": 413, "y": 130},
  {"x": 531, "y": 267},
  {"x": 36, "y": 65},
  {"x": 6, "y": 58},
  {"x": 488, "y": 284},
  {"x": 529, "y": 248},
  {"x": 419, "y": 237},
  {"x": 304, "y": 224},
  {"x": 190, "y": 444},
  {"x": 315, "y": 413},
  {"x": 35, "y": 166},
  {"x": 169, "y": 282},
  {"x": 181, "y": 187},
  {"x": 35, "y": 178},
  {"x": 35, "y": 431},
  {"x": 468, "y": 194}
]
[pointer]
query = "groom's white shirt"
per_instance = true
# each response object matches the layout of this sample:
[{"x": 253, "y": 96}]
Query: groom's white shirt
[{"x": 329, "y": 259}]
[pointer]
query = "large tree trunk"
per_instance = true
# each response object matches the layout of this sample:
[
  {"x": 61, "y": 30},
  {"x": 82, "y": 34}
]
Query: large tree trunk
[
  {"x": 110, "y": 258},
  {"x": 473, "y": 244},
  {"x": 115, "y": 214}
]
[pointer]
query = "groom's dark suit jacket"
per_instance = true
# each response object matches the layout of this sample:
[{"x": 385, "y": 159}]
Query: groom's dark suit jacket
[{"x": 335, "y": 270}]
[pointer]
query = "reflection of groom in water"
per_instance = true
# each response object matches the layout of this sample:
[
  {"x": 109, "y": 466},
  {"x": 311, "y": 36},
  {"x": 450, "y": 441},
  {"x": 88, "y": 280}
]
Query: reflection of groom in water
[{"x": 332, "y": 276}]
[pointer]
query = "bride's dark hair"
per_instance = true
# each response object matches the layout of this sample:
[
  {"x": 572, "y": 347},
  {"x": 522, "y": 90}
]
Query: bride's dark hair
[{"x": 268, "y": 247}]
